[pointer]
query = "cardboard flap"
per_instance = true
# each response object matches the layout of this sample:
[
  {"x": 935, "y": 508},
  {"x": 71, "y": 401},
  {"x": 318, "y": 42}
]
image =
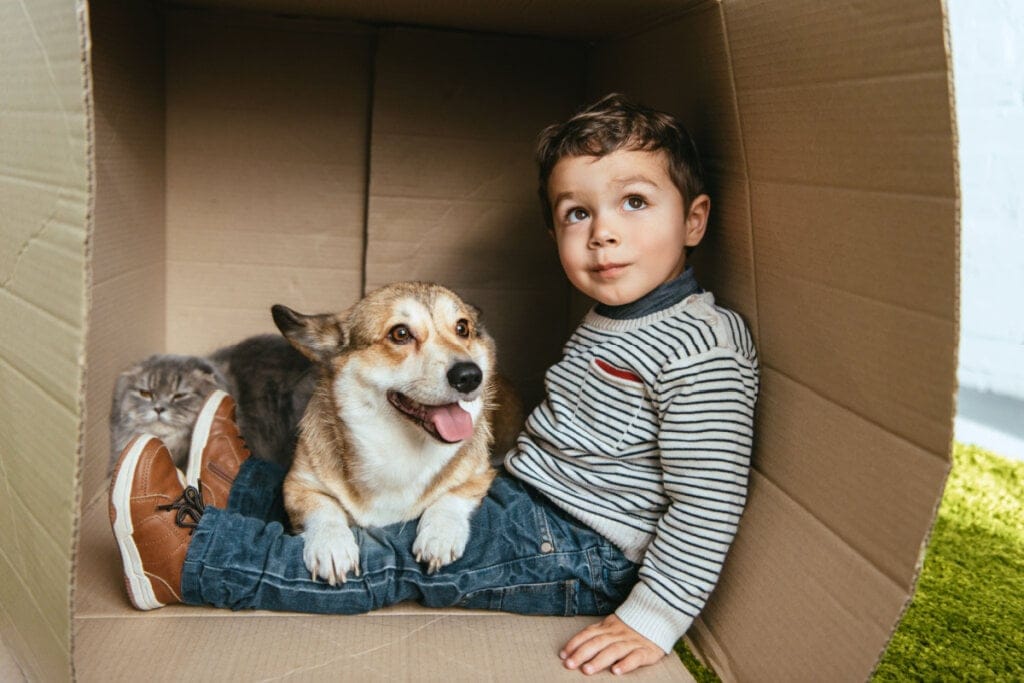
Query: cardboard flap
[
  {"x": 45, "y": 184},
  {"x": 796, "y": 602}
]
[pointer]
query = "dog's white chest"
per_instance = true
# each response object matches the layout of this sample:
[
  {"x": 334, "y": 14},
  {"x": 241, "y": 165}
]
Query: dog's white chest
[{"x": 395, "y": 471}]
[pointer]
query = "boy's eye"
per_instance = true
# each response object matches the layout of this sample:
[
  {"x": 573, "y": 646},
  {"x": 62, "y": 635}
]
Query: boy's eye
[
  {"x": 576, "y": 215},
  {"x": 634, "y": 203}
]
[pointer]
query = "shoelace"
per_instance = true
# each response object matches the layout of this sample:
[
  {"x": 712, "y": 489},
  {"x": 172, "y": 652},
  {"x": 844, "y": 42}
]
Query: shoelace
[{"x": 189, "y": 505}]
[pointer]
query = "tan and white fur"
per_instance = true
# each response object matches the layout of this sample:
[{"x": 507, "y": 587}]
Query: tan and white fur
[{"x": 399, "y": 425}]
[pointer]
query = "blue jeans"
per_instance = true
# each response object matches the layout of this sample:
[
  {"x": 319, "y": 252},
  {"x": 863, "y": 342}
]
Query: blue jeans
[{"x": 524, "y": 555}]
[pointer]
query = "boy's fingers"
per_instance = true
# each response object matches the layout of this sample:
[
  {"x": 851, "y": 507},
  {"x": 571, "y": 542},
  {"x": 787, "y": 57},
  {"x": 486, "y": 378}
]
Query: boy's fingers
[
  {"x": 577, "y": 640},
  {"x": 598, "y": 653},
  {"x": 586, "y": 651},
  {"x": 636, "y": 659},
  {"x": 607, "y": 656}
]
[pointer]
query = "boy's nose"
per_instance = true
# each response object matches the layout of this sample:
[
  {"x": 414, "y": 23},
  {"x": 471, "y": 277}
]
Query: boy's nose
[{"x": 601, "y": 235}]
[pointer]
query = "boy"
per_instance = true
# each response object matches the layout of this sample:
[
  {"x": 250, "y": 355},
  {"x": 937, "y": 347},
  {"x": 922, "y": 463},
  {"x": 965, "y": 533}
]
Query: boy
[{"x": 626, "y": 485}]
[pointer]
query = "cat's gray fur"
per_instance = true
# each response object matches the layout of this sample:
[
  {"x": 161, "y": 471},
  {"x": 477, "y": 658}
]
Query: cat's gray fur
[{"x": 162, "y": 395}]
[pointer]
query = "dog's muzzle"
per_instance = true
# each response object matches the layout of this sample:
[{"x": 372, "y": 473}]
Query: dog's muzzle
[{"x": 448, "y": 422}]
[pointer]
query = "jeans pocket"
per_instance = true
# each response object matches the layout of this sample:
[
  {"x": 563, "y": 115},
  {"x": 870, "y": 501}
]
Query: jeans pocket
[{"x": 556, "y": 598}]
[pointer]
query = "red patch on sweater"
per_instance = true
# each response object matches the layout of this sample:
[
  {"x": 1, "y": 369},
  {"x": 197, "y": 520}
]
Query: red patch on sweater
[{"x": 617, "y": 372}]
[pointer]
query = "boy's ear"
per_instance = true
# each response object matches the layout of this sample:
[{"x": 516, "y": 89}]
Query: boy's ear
[
  {"x": 696, "y": 222},
  {"x": 317, "y": 337}
]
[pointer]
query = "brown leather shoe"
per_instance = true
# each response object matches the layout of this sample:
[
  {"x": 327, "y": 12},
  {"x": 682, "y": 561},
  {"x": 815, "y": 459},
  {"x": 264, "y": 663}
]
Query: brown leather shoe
[
  {"x": 152, "y": 514},
  {"x": 217, "y": 451}
]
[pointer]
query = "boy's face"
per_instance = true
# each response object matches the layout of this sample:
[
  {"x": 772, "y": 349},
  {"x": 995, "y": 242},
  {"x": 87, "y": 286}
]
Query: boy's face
[{"x": 621, "y": 224}]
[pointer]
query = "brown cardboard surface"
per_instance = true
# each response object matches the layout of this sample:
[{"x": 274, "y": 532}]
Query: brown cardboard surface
[
  {"x": 829, "y": 461},
  {"x": 422, "y": 647},
  {"x": 580, "y": 19},
  {"x": 128, "y": 251},
  {"x": 34, "y": 536},
  {"x": 44, "y": 195},
  {"x": 796, "y": 573},
  {"x": 849, "y": 95},
  {"x": 266, "y": 174},
  {"x": 237, "y": 159},
  {"x": 835, "y": 235},
  {"x": 874, "y": 358}
]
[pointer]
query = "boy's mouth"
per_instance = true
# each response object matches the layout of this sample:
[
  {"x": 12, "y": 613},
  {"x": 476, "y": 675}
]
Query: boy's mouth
[{"x": 609, "y": 269}]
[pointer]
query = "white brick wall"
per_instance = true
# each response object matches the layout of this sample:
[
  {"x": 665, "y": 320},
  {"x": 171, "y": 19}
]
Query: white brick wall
[{"x": 988, "y": 65}]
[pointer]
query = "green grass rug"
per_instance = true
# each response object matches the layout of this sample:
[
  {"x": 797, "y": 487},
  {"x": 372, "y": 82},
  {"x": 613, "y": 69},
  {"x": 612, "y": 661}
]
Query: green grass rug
[{"x": 966, "y": 621}]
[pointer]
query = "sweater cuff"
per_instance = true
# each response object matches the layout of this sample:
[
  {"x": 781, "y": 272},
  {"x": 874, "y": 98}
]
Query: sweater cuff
[{"x": 653, "y": 618}]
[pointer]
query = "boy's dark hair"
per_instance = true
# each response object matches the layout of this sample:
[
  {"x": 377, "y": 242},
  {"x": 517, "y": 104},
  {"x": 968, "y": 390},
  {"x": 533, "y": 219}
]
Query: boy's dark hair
[{"x": 612, "y": 123}]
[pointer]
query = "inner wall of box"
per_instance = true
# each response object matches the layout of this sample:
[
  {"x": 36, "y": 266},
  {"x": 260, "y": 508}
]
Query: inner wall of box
[
  {"x": 243, "y": 161},
  {"x": 249, "y": 160}
]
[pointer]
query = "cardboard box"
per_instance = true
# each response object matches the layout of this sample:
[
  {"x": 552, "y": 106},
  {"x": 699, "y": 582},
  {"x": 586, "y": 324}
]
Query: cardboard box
[{"x": 168, "y": 171}]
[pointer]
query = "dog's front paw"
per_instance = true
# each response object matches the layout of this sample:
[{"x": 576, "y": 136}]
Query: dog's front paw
[
  {"x": 441, "y": 538},
  {"x": 331, "y": 552}
]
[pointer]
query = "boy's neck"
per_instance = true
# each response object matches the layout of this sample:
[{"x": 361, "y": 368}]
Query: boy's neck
[{"x": 658, "y": 299}]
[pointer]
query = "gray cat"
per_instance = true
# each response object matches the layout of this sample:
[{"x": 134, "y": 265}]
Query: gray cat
[{"x": 162, "y": 395}]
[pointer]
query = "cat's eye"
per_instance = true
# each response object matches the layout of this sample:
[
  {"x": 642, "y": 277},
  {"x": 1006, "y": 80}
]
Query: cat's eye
[
  {"x": 144, "y": 393},
  {"x": 178, "y": 397}
]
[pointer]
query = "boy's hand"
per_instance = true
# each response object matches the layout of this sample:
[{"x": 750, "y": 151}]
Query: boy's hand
[{"x": 609, "y": 644}]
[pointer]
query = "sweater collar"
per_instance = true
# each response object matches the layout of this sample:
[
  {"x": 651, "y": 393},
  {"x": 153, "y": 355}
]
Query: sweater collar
[{"x": 658, "y": 299}]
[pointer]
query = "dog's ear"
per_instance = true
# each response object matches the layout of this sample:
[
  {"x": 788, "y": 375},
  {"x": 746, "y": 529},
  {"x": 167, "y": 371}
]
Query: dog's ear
[
  {"x": 317, "y": 337},
  {"x": 478, "y": 314}
]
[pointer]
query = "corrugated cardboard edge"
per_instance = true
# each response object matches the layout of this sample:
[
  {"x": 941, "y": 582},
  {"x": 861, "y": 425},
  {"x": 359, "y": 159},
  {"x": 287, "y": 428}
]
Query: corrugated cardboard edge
[
  {"x": 957, "y": 211},
  {"x": 700, "y": 639},
  {"x": 82, "y": 12}
]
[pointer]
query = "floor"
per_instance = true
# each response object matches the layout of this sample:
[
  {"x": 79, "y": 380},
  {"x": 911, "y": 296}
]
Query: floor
[{"x": 991, "y": 421}]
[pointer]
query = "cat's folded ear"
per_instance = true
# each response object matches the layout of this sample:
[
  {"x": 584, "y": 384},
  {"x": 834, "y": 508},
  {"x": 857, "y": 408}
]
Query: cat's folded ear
[{"x": 317, "y": 337}]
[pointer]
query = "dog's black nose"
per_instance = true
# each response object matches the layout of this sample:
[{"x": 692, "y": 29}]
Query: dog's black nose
[{"x": 465, "y": 377}]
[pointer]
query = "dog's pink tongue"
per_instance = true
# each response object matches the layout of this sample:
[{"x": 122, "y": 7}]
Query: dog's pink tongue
[{"x": 451, "y": 422}]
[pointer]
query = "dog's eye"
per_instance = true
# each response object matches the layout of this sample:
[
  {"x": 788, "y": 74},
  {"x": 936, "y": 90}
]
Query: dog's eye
[
  {"x": 400, "y": 334},
  {"x": 462, "y": 328}
]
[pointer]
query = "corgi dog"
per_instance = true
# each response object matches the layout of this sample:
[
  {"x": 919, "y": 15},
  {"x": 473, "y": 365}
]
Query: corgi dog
[{"x": 399, "y": 425}]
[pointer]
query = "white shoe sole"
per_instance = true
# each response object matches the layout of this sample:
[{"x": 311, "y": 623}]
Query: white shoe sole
[
  {"x": 200, "y": 435},
  {"x": 140, "y": 590}
]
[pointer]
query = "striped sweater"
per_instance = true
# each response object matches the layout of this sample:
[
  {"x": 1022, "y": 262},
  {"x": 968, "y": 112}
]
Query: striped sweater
[{"x": 645, "y": 436}]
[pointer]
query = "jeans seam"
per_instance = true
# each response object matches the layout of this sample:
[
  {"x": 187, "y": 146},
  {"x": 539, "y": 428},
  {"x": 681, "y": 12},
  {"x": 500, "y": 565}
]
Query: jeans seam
[
  {"x": 596, "y": 567},
  {"x": 542, "y": 528}
]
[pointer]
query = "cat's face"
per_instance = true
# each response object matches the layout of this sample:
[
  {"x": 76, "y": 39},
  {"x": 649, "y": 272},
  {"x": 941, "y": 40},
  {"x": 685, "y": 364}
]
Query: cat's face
[{"x": 164, "y": 394}]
